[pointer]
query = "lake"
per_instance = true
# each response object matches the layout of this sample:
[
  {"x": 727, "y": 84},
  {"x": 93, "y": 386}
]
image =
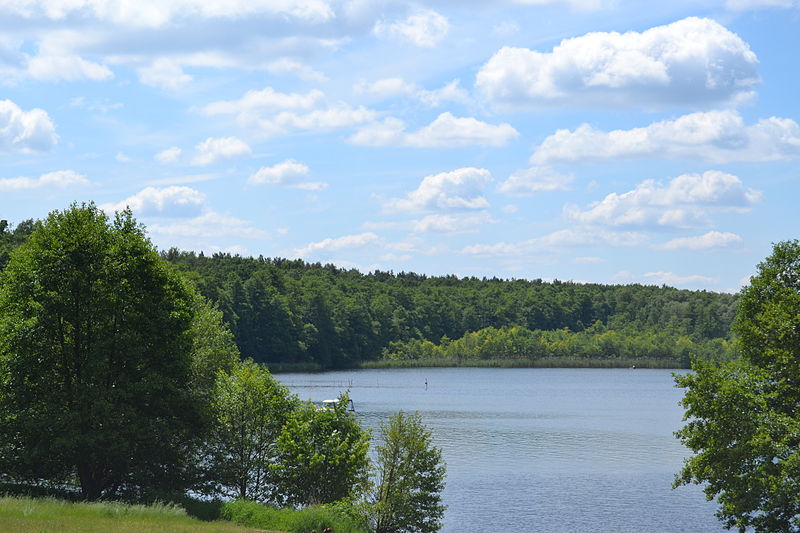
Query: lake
[{"x": 546, "y": 450}]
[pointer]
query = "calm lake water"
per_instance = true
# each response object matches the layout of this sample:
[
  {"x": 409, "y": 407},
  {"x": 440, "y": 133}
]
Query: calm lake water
[{"x": 544, "y": 450}]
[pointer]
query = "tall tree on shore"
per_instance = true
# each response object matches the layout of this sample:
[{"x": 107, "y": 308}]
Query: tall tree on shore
[
  {"x": 95, "y": 358},
  {"x": 411, "y": 478},
  {"x": 743, "y": 420}
]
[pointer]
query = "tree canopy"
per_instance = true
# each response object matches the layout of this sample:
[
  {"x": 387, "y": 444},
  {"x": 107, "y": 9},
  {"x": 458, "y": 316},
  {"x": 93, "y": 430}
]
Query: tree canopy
[
  {"x": 95, "y": 358},
  {"x": 742, "y": 419}
]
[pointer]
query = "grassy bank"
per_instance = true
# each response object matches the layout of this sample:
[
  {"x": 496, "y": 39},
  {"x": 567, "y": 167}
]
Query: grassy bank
[
  {"x": 46, "y": 515},
  {"x": 549, "y": 362}
]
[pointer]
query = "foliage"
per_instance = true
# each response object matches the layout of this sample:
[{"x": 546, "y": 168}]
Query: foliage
[
  {"x": 527, "y": 348},
  {"x": 411, "y": 478},
  {"x": 45, "y": 515},
  {"x": 743, "y": 423},
  {"x": 250, "y": 407},
  {"x": 95, "y": 358},
  {"x": 253, "y": 514},
  {"x": 288, "y": 312},
  {"x": 322, "y": 455}
]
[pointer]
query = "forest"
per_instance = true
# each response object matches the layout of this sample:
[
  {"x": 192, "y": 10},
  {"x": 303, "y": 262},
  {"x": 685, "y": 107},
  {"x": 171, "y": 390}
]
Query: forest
[{"x": 291, "y": 314}]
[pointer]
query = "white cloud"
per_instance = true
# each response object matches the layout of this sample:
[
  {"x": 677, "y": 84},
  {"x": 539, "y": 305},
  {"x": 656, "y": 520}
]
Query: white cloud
[
  {"x": 25, "y": 131},
  {"x": 535, "y": 180},
  {"x": 453, "y": 223},
  {"x": 60, "y": 179},
  {"x": 452, "y": 92},
  {"x": 398, "y": 87},
  {"x": 215, "y": 149},
  {"x": 686, "y": 201},
  {"x": 164, "y": 73},
  {"x": 425, "y": 28},
  {"x": 58, "y": 67},
  {"x": 171, "y": 201},
  {"x": 207, "y": 225},
  {"x": 295, "y": 68},
  {"x": 693, "y": 61},
  {"x": 289, "y": 173},
  {"x": 559, "y": 239},
  {"x": 445, "y": 131},
  {"x": 385, "y": 88},
  {"x": 588, "y": 260},
  {"x": 666, "y": 278},
  {"x": 169, "y": 156},
  {"x": 458, "y": 189},
  {"x": 710, "y": 241},
  {"x": 717, "y": 136},
  {"x": 267, "y": 99},
  {"x": 339, "y": 243},
  {"x": 745, "y": 5},
  {"x": 159, "y": 13},
  {"x": 122, "y": 158}
]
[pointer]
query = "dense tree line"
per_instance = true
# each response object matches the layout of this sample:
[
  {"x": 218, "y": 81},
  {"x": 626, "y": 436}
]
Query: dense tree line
[{"x": 291, "y": 311}]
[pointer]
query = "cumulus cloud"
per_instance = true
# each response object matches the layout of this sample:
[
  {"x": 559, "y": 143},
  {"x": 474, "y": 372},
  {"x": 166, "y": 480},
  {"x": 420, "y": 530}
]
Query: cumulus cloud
[
  {"x": 169, "y": 156},
  {"x": 174, "y": 201},
  {"x": 267, "y": 99},
  {"x": 62, "y": 67},
  {"x": 451, "y": 92},
  {"x": 666, "y": 278},
  {"x": 710, "y": 241},
  {"x": 207, "y": 225},
  {"x": 745, "y": 5},
  {"x": 159, "y": 13},
  {"x": 216, "y": 149},
  {"x": 716, "y": 136},
  {"x": 164, "y": 73},
  {"x": 25, "y": 131},
  {"x": 452, "y": 223},
  {"x": 565, "y": 238},
  {"x": 398, "y": 87},
  {"x": 289, "y": 66},
  {"x": 458, "y": 189},
  {"x": 686, "y": 201},
  {"x": 60, "y": 179},
  {"x": 336, "y": 244},
  {"x": 272, "y": 113},
  {"x": 289, "y": 173},
  {"x": 445, "y": 131},
  {"x": 694, "y": 61},
  {"x": 425, "y": 28},
  {"x": 535, "y": 180}
]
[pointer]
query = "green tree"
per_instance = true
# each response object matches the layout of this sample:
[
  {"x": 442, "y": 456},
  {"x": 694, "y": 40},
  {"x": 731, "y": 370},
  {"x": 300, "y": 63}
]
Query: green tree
[
  {"x": 250, "y": 408},
  {"x": 411, "y": 478},
  {"x": 743, "y": 422},
  {"x": 95, "y": 358},
  {"x": 323, "y": 455}
]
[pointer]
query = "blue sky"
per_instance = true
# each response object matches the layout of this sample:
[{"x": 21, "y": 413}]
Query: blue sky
[{"x": 586, "y": 140}]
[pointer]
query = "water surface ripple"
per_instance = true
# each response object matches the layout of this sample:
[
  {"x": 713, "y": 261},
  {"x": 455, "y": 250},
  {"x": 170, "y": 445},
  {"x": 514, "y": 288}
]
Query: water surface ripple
[{"x": 545, "y": 450}]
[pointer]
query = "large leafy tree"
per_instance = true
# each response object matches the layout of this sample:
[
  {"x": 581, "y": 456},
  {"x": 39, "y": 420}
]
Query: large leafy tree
[
  {"x": 96, "y": 358},
  {"x": 744, "y": 417},
  {"x": 250, "y": 408},
  {"x": 411, "y": 478},
  {"x": 322, "y": 455}
]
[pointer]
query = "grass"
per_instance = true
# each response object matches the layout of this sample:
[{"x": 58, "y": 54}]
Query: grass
[
  {"x": 546, "y": 362},
  {"x": 302, "y": 521},
  {"x": 46, "y": 515}
]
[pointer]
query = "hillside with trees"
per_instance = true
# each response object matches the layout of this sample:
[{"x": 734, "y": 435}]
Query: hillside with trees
[{"x": 291, "y": 314}]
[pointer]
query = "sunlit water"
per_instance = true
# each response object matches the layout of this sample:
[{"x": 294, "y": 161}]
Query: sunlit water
[{"x": 541, "y": 450}]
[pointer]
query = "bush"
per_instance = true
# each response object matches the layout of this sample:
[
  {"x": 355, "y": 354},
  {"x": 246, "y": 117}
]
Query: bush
[{"x": 253, "y": 514}]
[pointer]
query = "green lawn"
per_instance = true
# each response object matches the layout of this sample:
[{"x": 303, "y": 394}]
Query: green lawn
[{"x": 46, "y": 515}]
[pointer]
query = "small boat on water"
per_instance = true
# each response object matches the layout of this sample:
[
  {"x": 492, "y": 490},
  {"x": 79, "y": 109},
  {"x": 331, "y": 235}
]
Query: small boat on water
[{"x": 331, "y": 404}]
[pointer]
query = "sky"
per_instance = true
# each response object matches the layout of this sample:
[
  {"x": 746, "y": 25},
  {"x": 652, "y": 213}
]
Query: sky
[{"x": 600, "y": 141}]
